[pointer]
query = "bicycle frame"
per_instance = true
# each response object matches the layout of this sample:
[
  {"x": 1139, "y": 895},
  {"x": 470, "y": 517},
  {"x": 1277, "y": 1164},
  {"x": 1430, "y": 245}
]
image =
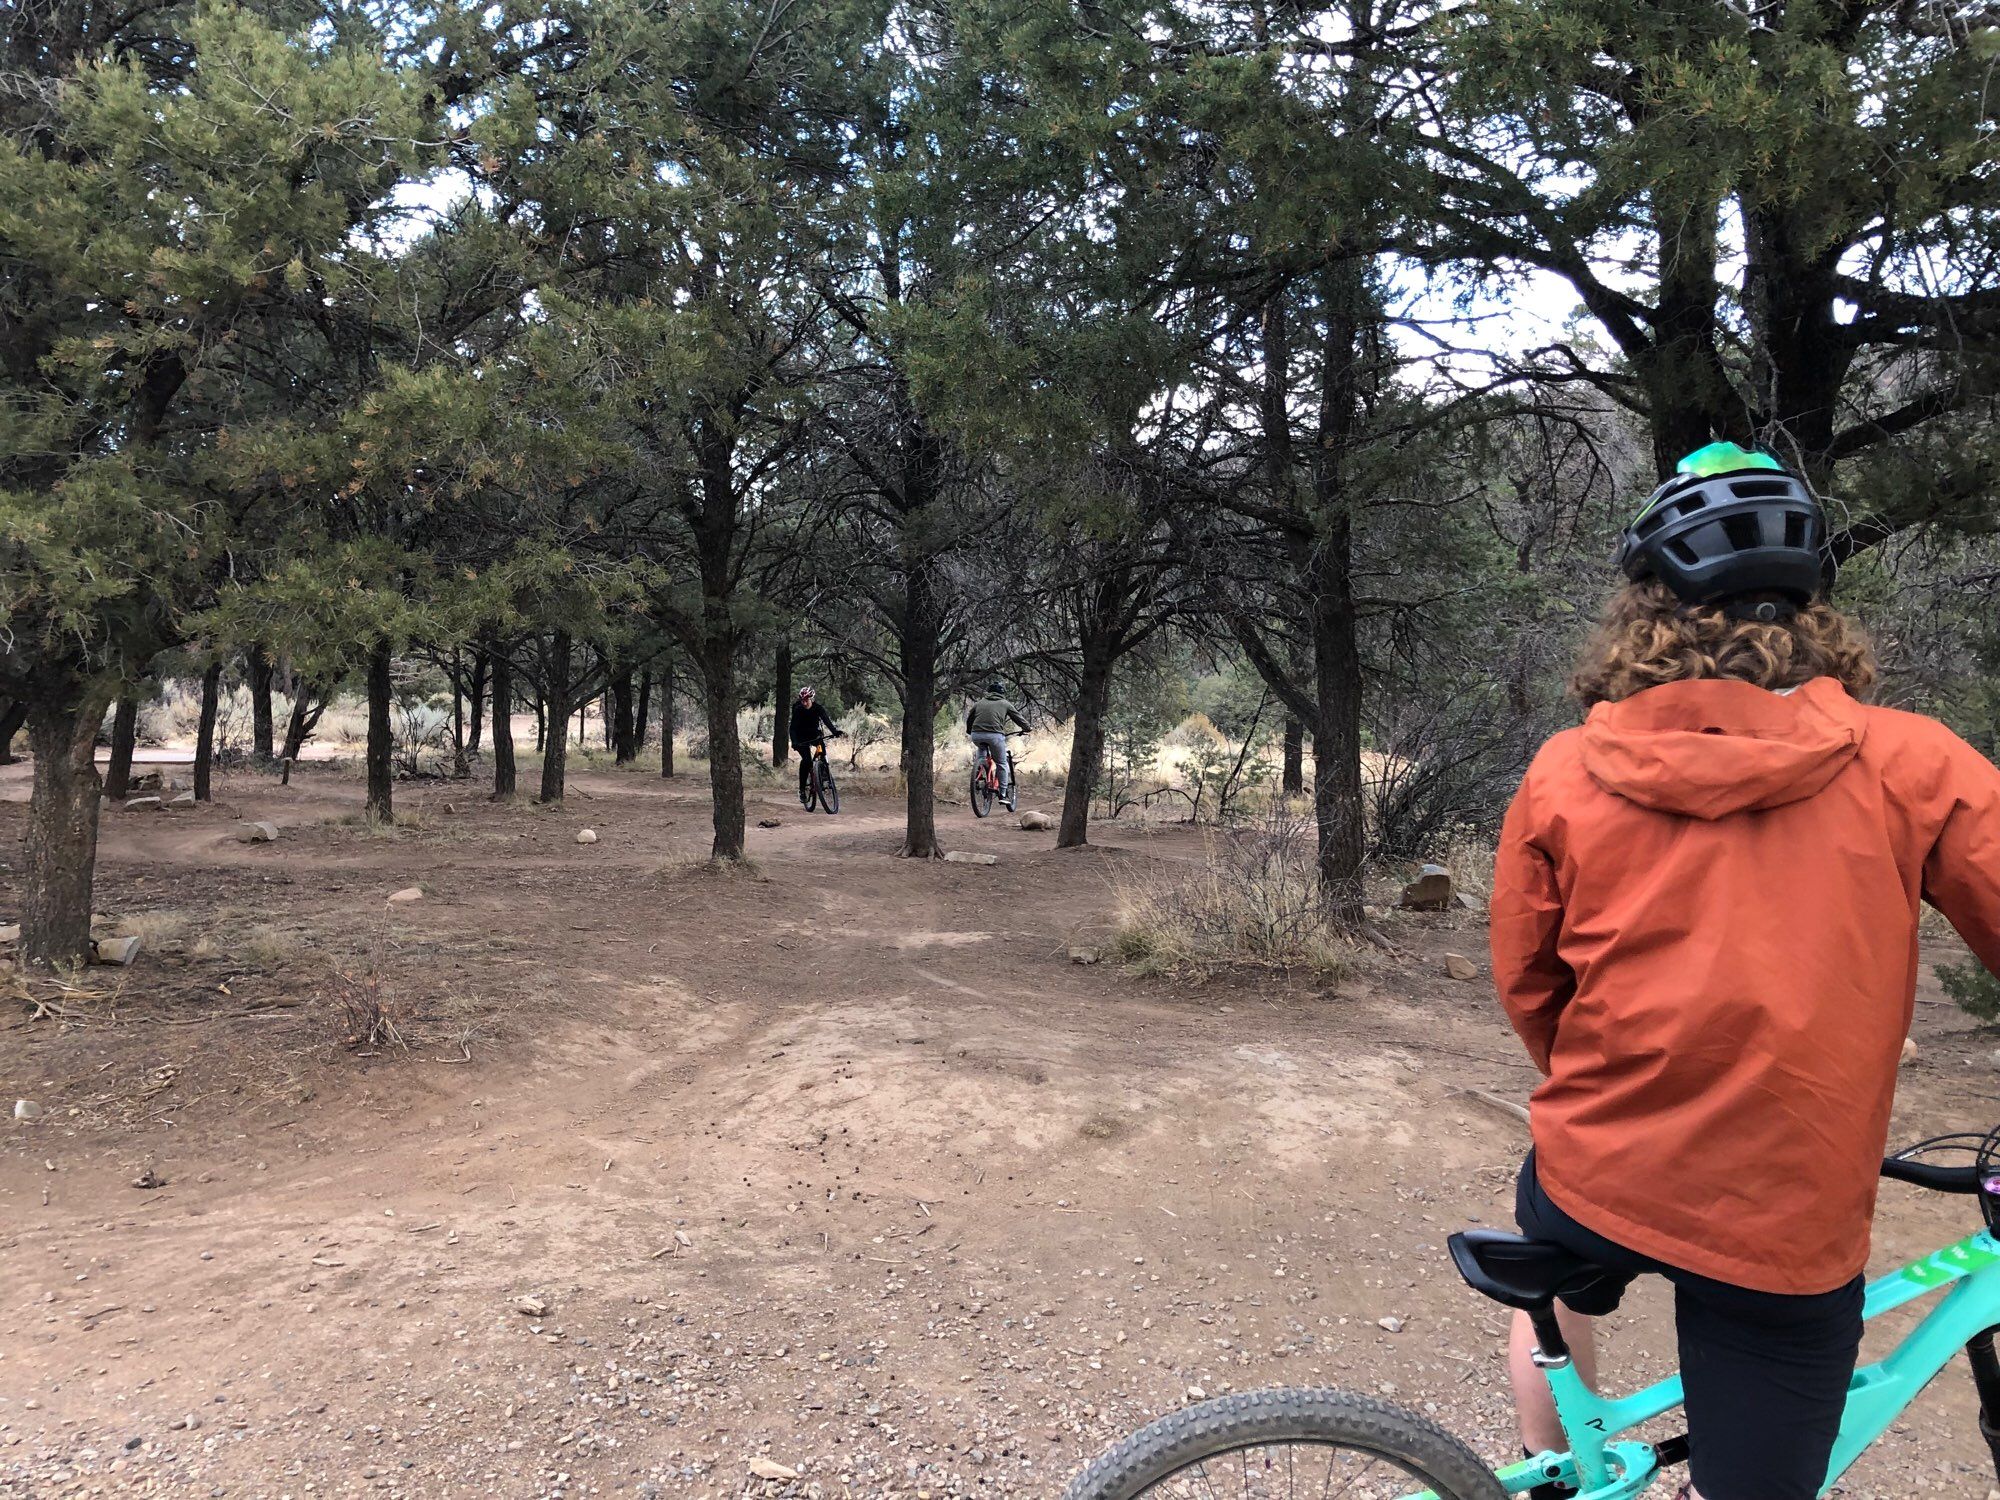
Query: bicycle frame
[{"x": 1601, "y": 1467}]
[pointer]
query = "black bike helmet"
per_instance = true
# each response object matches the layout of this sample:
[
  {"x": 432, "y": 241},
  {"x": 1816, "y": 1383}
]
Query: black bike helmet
[
  {"x": 996, "y": 689},
  {"x": 1731, "y": 523}
]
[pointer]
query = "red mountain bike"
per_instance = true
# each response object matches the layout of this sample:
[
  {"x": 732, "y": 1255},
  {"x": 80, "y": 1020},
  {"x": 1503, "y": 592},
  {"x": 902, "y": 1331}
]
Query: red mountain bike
[{"x": 986, "y": 783}]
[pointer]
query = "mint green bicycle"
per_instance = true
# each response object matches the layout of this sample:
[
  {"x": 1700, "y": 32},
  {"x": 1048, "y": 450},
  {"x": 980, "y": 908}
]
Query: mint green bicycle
[{"x": 1290, "y": 1444}]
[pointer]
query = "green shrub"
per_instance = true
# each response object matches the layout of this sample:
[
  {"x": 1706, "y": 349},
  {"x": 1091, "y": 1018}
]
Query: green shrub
[{"x": 1976, "y": 991}]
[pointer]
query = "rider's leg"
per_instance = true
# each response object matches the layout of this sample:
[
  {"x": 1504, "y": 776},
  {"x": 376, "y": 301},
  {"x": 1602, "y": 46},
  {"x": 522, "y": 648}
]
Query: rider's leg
[
  {"x": 1766, "y": 1375},
  {"x": 1533, "y": 1403},
  {"x": 996, "y": 746}
]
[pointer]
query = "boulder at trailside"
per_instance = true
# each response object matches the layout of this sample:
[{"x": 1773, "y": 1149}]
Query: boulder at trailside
[
  {"x": 1037, "y": 822},
  {"x": 1430, "y": 891},
  {"x": 408, "y": 893},
  {"x": 257, "y": 833},
  {"x": 185, "y": 799},
  {"x": 114, "y": 950},
  {"x": 960, "y": 857},
  {"x": 142, "y": 804}
]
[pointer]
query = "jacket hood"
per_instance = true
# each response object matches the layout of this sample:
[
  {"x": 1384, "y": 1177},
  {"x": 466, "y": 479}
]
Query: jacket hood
[{"x": 1712, "y": 747}]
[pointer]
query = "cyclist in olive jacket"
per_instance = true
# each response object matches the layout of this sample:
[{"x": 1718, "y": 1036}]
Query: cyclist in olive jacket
[{"x": 986, "y": 723}]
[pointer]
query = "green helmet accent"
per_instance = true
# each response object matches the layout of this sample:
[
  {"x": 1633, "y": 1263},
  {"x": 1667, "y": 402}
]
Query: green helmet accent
[
  {"x": 1725, "y": 458},
  {"x": 1707, "y": 463}
]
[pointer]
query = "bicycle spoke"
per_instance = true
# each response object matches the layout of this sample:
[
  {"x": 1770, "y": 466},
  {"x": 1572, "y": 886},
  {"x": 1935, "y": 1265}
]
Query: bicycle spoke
[{"x": 1276, "y": 1471}]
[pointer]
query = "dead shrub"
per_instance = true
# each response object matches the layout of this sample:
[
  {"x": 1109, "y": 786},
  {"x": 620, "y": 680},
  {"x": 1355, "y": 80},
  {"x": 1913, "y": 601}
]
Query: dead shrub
[
  {"x": 367, "y": 1018},
  {"x": 1253, "y": 901}
]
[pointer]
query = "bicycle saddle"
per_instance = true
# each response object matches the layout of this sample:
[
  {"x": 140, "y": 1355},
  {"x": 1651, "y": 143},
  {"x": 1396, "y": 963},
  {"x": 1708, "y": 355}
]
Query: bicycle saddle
[{"x": 1519, "y": 1272}]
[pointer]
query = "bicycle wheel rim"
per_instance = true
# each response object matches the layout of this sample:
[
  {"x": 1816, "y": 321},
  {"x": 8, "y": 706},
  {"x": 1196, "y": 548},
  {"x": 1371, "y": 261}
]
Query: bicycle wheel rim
[
  {"x": 982, "y": 796},
  {"x": 829, "y": 791}
]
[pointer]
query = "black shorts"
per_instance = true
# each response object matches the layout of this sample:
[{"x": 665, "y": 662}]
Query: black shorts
[{"x": 1765, "y": 1374}]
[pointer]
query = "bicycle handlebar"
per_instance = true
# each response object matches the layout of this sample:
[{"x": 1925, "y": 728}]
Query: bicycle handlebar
[{"x": 1963, "y": 1181}]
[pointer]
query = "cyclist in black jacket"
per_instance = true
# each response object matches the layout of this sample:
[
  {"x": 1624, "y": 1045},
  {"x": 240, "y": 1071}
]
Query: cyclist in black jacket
[{"x": 811, "y": 724}]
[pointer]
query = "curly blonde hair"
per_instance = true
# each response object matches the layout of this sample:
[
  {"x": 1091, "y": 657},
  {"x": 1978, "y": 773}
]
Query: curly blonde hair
[{"x": 1646, "y": 637}]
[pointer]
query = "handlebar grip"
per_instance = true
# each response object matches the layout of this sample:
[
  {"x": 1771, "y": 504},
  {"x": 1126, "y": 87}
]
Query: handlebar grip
[{"x": 1963, "y": 1181}]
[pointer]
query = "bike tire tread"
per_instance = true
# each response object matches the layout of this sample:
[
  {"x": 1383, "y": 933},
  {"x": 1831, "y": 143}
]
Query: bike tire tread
[{"x": 1305, "y": 1414}]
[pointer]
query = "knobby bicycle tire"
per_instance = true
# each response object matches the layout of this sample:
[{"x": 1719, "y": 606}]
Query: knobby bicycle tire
[
  {"x": 1433, "y": 1458},
  {"x": 829, "y": 792},
  {"x": 982, "y": 792}
]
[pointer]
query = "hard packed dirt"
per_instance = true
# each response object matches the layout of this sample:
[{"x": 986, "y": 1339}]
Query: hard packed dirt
[{"x": 590, "y": 1170}]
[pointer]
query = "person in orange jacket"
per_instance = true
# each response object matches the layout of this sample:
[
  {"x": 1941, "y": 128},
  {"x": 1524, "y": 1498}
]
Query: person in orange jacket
[{"x": 1704, "y": 928}]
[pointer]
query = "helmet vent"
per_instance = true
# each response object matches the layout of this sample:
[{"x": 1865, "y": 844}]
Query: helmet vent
[
  {"x": 1760, "y": 489},
  {"x": 1679, "y": 547},
  {"x": 1795, "y": 529},
  {"x": 1744, "y": 532}
]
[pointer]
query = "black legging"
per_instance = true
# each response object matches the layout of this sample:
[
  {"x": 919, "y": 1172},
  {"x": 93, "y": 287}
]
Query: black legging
[{"x": 1765, "y": 1374}]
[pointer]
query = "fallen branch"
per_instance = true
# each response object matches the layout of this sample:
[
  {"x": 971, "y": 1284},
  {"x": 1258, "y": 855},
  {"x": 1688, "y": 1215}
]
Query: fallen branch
[{"x": 1494, "y": 1101}]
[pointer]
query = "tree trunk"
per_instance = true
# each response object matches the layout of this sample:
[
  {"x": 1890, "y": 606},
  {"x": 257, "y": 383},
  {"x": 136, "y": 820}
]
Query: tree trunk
[
  {"x": 781, "y": 700},
  {"x": 458, "y": 765},
  {"x": 642, "y": 715},
  {"x": 308, "y": 703},
  {"x": 725, "y": 747},
  {"x": 920, "y": 626},
  {"x": 12, "y": 717},
  {"x": 624, "y": 731},
  {"x": 1086, "y": 750},
  {"x": 482, "y": 664},
  {"x": 1337, "y": 806},
  {"x": 381, "y": 807},
  {"x": 62, "y": 835},
  {"x": 124, "y": 738},
  {"x": 258, "y": 670},
  {"x": 667, "y": 720},
  {"x": 503, "y": 724},
  {"x": 204, "y": 736},
  {"x": 1294, "y": 782},
  {"x": 541, "y": 721},
  {"x": 555, "y": 685},
  {"x": 1335, "y": 630}
]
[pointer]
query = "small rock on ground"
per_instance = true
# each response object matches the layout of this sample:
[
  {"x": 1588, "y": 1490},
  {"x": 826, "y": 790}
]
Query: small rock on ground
[
  {"x": 586, "y": 835},
  {"x": 1458, "y": 966},
  {"x": 408, "y": 893},
  {"x": 961, "y": 857}
]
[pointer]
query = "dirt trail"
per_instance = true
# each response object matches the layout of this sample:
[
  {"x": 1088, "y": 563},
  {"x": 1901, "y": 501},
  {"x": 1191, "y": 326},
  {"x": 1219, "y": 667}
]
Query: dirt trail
[{"x": 846, "y": 1166}]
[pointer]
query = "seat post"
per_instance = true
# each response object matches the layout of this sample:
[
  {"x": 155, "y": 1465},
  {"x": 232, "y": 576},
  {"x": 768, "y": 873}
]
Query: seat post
[{"x": 1551, "y": 1348}]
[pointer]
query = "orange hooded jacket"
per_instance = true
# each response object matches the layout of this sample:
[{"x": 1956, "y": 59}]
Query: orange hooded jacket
[{"x": 1705, "y": 929}]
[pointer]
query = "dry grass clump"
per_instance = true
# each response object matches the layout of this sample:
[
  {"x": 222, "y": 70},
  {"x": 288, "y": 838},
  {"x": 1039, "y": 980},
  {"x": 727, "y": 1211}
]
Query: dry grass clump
[
  {"x": 1253, "y": 901},
  {"x": 155, "y": 930},
  {"x": 687, "y": 864}
]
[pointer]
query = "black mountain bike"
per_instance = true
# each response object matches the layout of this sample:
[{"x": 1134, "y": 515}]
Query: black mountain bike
[{"x": 817, "y": 787}]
